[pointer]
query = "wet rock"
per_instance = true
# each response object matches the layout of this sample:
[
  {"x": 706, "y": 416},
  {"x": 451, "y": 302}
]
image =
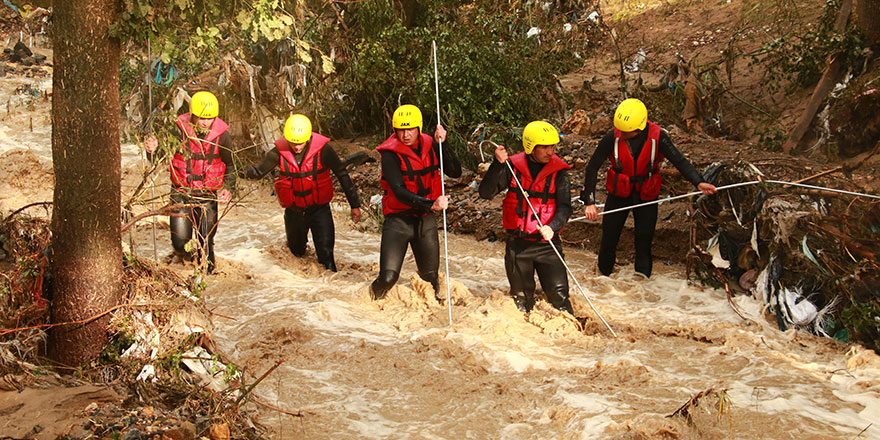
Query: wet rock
[
  {"x": 467, "y": 176},
  {"x": 179, "y": 433},
  {"x": 579, "y": 123},
  {"x": 482, "y": 168},
  {"x": 219, "y": 431},
  {"x": 134, "y": 434},
  {"x": 600, "y": 125},
  {"x": 19, "y": 52}
]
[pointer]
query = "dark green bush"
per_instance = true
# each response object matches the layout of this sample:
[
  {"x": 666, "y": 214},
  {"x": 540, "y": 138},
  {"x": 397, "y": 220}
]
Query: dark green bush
[{"x": 489, "y": 70}]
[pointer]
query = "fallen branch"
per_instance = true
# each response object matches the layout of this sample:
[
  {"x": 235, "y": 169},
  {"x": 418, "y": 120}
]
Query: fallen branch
[
  {"x": 829, "y": 77},
  {"x": 58, "y": 324},
  {"x": 845, "y": 167},
  {"x": 23, "y": 208},
  {"x": 694, "y": 401},
  {"x": 275, "y": 408},
  {"x": 257, "y": 382},
  {"x": 729, "y": 294},
  {"x": 165, "y": 210}
]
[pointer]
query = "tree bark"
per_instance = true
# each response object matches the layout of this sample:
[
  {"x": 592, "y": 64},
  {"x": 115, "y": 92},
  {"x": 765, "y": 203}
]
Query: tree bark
[
  {"x": 868, "y": 20},
  {"x": 829, "y": 78},
  {"x": 86, "y": 246}
]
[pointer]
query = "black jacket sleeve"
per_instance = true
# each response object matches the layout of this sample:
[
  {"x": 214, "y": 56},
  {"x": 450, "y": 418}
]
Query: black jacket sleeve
[
  {"x": 269, "y": 162},
  {"x": 684, "y": 166},
  {"x": 563, "y": 202},
  {"x": 394, "y": 178},
  {"x": 331, "y": 160},
  {"x": 496, "y": 179},
  {"x": 226, "y": 155},
  {"x": 588, "y": 192},
  {"x": 451, "y": 165}
]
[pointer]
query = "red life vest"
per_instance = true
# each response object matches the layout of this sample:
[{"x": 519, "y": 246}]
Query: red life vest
[
  {"x": 644, "y": 176},
  {"x": 199, "y": 166},
  {"x": 304, "y": 184},
  {"x": 515, "y": 212},
  {"x": 421, "y": 175}
]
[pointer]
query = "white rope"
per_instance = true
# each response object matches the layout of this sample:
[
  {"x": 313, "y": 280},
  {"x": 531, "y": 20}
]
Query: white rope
[
  {"x": 733, "y": 185},
  {"x": 538, "y": 219},
  {"x": 822, "y": 188},
  {"x": 667, "y": 199},
  {"x": 442, "y": 187}
]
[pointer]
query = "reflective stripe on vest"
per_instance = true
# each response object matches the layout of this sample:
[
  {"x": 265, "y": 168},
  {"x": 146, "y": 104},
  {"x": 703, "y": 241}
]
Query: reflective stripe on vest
[{"x": 639, "y": 170}]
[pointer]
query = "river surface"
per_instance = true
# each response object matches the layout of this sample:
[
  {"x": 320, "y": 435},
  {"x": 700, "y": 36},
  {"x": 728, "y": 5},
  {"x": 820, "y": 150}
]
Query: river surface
[{"x": 396, "y": 368}]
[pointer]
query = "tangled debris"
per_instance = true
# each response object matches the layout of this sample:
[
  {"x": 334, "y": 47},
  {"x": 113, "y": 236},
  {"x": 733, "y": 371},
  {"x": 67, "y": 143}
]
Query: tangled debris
[
  {"x": 809, "y": 255},
  {"x": 170, "y": 379}
]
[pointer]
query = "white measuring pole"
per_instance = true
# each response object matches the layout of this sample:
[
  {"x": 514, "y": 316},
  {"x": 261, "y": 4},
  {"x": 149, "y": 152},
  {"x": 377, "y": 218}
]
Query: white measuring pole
[{"x": 442, "y": 187}]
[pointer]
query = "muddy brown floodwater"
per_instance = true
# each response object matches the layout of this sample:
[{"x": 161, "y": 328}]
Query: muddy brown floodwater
[{"x": 395, "y": 368}]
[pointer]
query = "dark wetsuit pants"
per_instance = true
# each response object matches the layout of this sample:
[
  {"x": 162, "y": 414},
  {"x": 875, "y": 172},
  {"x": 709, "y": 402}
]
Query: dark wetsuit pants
[
  {"x": 397, "y": 232},
  {"x": 522, "y": 258},
  {"x": 202, "y": 218},
  {"x": 318, "y": 219},
  {"x": 645, "y": 221}
]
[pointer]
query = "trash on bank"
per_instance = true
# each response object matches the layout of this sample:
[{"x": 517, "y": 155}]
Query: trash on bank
[{"x": 810, "y": 256}]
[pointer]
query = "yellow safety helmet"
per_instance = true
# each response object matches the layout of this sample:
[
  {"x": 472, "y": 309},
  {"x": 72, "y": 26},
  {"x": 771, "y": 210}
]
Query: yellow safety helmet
[
  {"x": 407, "y": 116},
  {"x": 538, "y": 133},
  {"x": 297, "y": 129},
  {"x": 631, "y": 115},
  {"x": 204, "y": 105}
]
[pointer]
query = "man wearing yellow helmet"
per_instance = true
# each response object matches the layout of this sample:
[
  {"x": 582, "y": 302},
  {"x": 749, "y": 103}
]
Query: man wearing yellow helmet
[
  {"x": 202, "y": 172},
  {"x": 412, "y": 184},
  {"x": 544, "y": 178},
  {"x": 635, "y": 147},
  {"x": 304, "y": 187}
]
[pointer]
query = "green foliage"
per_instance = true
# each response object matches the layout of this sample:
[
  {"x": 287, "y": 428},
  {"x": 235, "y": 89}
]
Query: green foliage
[
  {"x": 861, "y": 320},
  {"x": 112, "y": 352},
  {"x": 771, "y": 138},
  {"x": 798, "y": 58},
  {"x": 490, "y": 71}
]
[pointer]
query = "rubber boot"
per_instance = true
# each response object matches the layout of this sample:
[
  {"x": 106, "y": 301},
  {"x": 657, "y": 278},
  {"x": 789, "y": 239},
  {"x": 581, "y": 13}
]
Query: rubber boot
[
  {"x": 523, "y": 302},
  {"x": 382, "y": 284},
  {"x": 434, "y": 279}
]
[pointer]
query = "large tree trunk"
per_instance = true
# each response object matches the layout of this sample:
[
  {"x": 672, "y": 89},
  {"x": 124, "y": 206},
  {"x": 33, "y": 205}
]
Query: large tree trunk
[
  {"x": 87, "y": 252},
  {"x": 869, "y": 20}
]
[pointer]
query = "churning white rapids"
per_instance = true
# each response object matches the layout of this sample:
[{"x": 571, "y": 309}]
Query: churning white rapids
[{"x": 354, "y": 368}]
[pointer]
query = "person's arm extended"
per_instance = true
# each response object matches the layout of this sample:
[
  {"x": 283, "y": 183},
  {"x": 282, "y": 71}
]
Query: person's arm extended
[
  {"x": 225, "y": 142},
  {"x": 271, "y": 160},
  {"x": 563, "y": 202},
  {"x": 684, "y": 166},
  {"x": 394, "y": 178},
  {"x": 496, "y": 179},
  {"x": 331, "y": 160},
  {"x": 588, "y": 192}
]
